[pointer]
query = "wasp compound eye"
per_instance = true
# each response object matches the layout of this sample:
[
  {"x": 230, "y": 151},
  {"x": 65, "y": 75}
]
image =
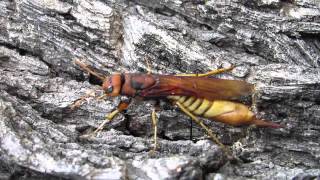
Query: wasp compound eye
[{"x": 110, "y": 89}]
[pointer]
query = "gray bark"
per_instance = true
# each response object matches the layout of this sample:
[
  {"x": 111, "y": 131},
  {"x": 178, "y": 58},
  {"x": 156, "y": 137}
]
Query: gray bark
[{"x": 273, "y": 44}]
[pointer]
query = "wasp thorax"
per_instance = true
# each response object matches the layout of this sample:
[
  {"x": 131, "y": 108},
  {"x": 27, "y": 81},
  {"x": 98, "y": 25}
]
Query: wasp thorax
[{"x": 112, "y": 85}]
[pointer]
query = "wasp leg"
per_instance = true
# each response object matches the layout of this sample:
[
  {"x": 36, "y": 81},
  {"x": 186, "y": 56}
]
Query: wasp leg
[
  {"x": 155, "y": 130},
  {"x": 148, "y": 65},
  {"x": 109, "y": 118},
  {"x": 121, "y": 107},
  {"x": 82, "y": 99},
  {"x": 254, "y": 99},
  {"x": 102, "y": 97},
  {"x": 210, "y": 73},
  {"x": 208, "y": 130}
]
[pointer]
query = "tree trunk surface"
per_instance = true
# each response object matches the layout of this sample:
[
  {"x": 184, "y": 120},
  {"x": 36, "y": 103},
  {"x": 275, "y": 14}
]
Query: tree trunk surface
[{"x": 274, "y": 44}]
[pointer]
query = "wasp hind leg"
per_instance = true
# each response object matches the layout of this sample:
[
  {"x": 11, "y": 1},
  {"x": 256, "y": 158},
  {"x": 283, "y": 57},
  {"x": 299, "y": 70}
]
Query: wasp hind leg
[
  {"x": 207, "y": 129},
  {"x": 210, "y": 73}
]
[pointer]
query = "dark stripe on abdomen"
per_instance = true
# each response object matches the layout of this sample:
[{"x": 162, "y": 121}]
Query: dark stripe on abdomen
[{"x": 195, "y": 105}]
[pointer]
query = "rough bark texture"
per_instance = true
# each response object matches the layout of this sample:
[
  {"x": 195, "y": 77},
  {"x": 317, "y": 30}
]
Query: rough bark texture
[{"x": 274, "y": 44}]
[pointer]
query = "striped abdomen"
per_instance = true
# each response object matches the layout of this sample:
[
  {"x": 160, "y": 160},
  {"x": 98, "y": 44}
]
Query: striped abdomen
[{"x": 221, "y": 110}]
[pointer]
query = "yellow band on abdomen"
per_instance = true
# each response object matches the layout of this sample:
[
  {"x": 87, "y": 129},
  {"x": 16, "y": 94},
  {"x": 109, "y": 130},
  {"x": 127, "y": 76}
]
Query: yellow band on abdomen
[
  {"x": 229, "y": 112},
  {"x": 219, "y": 107},
  {"x": 203, "y": 107}
]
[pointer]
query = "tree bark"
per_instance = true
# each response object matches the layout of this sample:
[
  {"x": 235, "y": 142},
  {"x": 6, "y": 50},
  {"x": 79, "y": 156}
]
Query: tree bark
[{"x": 272, "y": 44}]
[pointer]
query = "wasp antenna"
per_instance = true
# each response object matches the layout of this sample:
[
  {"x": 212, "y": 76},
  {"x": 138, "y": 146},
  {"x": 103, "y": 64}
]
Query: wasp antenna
[
  {"x": 86, "y": 68},
  {"x": 264, "y": 123}
]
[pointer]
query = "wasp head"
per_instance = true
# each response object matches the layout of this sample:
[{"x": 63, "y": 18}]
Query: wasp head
[{"x": 112, "y": 85}]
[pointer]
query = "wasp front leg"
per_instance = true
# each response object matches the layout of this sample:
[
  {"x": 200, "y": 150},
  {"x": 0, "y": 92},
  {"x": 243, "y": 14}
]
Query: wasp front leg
[
  {"x": 123, "y": 105},
  {"x": 82, "y": 99}
]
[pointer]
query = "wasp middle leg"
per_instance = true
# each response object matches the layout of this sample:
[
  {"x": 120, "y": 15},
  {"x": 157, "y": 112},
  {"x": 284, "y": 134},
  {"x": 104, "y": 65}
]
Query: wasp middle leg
[{"x": 155, "y": 130}]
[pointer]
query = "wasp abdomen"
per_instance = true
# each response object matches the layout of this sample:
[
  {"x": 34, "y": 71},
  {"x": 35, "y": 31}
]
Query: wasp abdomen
[{"x": 220, "y": 110}]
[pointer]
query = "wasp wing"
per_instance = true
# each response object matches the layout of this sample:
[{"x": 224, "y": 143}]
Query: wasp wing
[{"x": 200, "y": 87}]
